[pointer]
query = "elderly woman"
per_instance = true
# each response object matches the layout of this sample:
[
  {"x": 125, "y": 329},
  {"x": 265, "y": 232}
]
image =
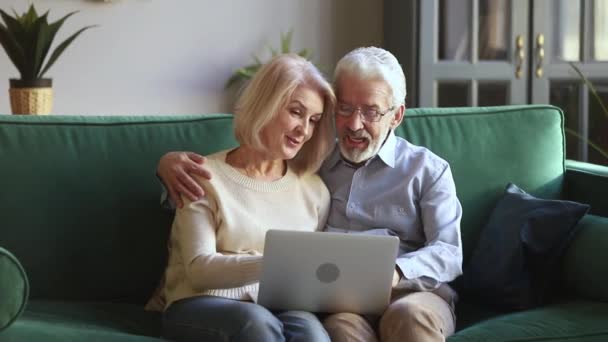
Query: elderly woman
[{"x": 284, "y": 126}]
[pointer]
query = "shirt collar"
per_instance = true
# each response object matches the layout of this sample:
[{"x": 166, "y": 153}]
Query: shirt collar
[{"x": 386, "y": 153}]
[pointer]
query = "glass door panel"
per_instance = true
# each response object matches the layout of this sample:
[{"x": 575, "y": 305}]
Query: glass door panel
[
  {"x": 598, "y": 125},
  {"x": 586, "y": 135},
  {"x": 567, "y": 30},
  {"x": 600, "y": 30},
  {"x": 578, "y": 33},
  {"x": 454, "y": 30},
  {"x": 565, "y": 95},
  {"x": 453, "y": 94},
  {"x": 494, "y": 29},
  {"x": 492, "y": 94},
  {"x": 472, "y": 42}
]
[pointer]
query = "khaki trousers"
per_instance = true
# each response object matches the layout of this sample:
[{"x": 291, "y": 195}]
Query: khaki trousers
[{"x": 415, "y": 316}]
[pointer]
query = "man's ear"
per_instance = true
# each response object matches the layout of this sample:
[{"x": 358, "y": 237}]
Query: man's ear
[{"x": 398, "y": 117}]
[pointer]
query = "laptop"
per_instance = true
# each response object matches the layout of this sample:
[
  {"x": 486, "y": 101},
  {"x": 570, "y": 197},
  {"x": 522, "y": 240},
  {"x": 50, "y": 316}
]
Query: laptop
[{"x": 327, "y": 272}]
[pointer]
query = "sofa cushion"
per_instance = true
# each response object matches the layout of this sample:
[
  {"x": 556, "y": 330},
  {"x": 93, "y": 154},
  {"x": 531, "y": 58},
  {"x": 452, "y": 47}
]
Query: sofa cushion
[
  {"x": 516, "y": 263},
  {"x": 585, "y": 263},
  {"x": 81, "y": 321},
  {"x": 14, "y": 288},
  {"x": 575, "y": 320}
]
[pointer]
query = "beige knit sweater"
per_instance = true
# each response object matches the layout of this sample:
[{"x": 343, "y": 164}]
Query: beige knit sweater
[{"x": 216, "y": 243}]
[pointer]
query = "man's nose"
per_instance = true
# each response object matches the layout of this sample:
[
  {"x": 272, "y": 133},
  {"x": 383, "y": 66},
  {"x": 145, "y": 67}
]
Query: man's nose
[{"x": 354, "y": 121}]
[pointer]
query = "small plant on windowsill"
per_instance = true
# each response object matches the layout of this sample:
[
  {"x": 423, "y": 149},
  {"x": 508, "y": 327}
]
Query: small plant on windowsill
[
  {"x": 246, "y": 73},
  {"x": 603, "y": 106}
]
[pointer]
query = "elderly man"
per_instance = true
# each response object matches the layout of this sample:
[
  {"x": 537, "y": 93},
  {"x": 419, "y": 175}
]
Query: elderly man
[{"x": 379, "y": 184}]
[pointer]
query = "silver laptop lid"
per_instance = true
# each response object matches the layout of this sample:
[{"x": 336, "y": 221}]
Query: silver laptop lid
[{"x": 327, "y": 272}]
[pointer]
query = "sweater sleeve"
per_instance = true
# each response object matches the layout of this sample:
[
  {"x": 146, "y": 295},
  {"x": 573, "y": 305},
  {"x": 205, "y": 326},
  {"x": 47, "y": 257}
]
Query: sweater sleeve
[
  {"x": 195, "y": 231},
  {"x": 324, "y": 205}
]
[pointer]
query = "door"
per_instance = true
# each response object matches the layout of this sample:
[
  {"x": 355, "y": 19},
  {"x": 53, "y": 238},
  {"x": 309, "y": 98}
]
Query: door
[
  {"x": 472, "y": 53},
  {"x": 573, "y": 31}
]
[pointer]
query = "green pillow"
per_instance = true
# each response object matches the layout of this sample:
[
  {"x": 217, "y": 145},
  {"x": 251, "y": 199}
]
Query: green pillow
[{"x": 14, "y": 289}]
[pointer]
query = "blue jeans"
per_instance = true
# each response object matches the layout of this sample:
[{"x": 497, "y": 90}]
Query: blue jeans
[{"x": 209, "y": 318}]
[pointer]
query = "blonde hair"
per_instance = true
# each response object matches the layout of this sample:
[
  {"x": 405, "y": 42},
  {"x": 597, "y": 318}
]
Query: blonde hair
[
  {"x": 269, "y": 91},
  {"x": 374, "y": 63}
]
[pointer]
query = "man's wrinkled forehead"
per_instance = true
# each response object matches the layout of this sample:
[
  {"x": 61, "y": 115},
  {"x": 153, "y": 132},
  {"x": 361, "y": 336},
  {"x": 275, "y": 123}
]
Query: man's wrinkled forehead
[{"x": 351, "y": 85}]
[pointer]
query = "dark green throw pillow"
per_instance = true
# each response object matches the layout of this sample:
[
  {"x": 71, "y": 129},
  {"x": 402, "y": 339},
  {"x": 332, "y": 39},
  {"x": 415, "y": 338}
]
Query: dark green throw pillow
[
  {"x": 14, "y": 288},
  {"x": 516, "y": 262}
]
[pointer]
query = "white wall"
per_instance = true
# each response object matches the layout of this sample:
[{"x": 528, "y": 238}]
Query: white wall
[{"x": 174, "y": 56}]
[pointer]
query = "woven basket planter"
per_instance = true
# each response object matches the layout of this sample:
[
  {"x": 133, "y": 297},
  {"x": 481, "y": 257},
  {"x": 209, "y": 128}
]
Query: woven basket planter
[{"x": 31, "y": 98}]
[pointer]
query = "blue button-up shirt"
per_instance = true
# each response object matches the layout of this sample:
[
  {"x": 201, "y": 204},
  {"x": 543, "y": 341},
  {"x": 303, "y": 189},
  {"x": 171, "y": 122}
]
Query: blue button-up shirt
[{"x": 407, "y": 191}]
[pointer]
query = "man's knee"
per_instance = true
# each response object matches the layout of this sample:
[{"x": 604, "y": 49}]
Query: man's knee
[
  {"x": 348, "y": 327},
  {"x": 419, "y": 317},
  {"x": 407, "y": 313}
]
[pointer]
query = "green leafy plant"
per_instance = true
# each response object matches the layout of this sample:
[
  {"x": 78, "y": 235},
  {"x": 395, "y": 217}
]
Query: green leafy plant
[
  {"x": 27, "y": 40},
  {"x": 603, "y": 106},
  {"x": 245, "y": 73}
]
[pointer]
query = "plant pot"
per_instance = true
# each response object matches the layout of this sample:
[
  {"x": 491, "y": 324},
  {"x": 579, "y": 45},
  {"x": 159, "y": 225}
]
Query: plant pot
[{"x": 31, "y": 97}]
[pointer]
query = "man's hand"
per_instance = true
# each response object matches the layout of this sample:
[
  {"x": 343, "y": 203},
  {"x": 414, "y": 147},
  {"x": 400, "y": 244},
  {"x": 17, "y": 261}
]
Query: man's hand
[{"x": 176, "y": 170}]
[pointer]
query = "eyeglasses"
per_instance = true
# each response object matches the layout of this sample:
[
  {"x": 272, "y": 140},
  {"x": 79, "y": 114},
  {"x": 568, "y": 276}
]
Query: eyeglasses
[{"x": 368, "y": 114}]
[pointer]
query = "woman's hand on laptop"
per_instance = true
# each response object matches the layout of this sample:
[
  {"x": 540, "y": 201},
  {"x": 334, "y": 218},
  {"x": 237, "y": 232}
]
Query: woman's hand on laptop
[{"x": 176, "y": 171}]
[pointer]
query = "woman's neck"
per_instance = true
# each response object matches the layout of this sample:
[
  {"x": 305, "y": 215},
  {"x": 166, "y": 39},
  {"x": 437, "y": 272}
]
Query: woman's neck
[{"x": 256, "y": 164}]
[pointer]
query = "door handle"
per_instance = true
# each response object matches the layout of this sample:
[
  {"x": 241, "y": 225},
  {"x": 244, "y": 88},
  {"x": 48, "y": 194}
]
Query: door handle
[
  {"x": 540, "y": 54},
  {"x": 519, "y": 56}
]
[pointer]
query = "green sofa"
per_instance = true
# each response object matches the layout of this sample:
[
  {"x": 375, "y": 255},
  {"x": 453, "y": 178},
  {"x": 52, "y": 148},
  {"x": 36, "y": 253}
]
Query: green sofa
[{"x": 83, "y": 236}]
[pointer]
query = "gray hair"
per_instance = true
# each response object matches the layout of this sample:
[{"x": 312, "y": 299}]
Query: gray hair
[{"x": 374, "y": 63}]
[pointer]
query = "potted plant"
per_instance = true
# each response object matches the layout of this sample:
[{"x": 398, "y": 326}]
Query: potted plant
[
  {"x": 27, "y": 40},
  {"x": 246, "y": 73}
]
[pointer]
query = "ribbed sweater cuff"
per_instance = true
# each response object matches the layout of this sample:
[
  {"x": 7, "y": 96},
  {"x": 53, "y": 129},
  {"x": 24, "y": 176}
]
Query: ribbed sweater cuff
[
  {"x": 239, "y": 293},
  {"x": 250, "y": 269}
]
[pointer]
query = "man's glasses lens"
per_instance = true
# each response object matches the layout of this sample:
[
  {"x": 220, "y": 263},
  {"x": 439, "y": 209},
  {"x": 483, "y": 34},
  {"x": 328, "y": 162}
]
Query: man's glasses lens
[{"x": 368, "y": 114}]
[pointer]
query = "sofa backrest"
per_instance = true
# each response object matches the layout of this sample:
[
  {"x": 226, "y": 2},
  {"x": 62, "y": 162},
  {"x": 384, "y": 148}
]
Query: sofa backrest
[
  {"x": 79, "y": 199},
  {"x": 490, "y": 147}
]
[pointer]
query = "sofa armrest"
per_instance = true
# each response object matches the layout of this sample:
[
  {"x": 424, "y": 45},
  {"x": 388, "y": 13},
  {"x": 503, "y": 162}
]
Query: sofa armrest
[
  {"x": 585, "y": 263},
  {"x": 14, "y": 289},
  {"x": 587, "y": 183}
]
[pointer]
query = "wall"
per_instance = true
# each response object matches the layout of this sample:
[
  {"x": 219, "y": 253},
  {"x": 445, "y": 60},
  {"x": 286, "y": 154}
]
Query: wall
[{"x": 174, "y": 56}]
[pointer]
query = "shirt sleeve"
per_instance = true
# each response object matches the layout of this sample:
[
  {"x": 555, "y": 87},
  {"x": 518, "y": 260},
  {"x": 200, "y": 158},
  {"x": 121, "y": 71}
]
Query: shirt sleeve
[
  {"x": 440, "y": 259},
  {"x": 195, "y": 231}
]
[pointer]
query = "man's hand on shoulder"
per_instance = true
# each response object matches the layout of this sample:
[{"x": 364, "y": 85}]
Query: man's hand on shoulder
[{"x": 176, "y": 170}]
